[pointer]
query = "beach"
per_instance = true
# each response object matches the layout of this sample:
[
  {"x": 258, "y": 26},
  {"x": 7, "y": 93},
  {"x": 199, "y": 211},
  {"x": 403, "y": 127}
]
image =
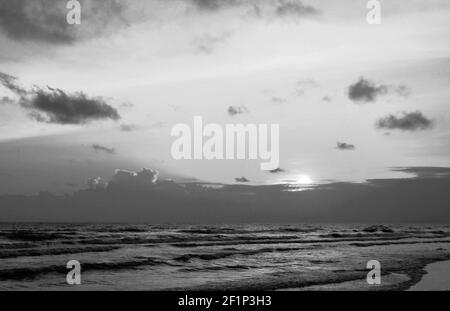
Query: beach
[
  {"x": 437, "y": 278},
  {"x": 220, "y": 257}
]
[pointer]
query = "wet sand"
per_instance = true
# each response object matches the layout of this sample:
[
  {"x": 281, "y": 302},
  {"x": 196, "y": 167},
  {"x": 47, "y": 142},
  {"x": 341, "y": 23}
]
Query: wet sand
[{"x": 437, "y": 278}]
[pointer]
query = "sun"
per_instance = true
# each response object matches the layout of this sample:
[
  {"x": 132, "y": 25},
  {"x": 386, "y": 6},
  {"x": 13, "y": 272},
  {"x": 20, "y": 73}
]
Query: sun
[{"x": 304, "y": 180}]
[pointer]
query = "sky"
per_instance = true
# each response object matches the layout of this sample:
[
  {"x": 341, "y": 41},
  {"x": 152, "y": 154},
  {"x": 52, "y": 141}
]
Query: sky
[{"x": 353, "y": 100}]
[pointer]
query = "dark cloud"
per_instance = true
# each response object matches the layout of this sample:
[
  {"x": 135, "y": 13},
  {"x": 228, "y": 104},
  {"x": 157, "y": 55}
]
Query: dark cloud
[
  {"x": 294, "y": 8},
  {"x": 141, "y": 180},
  {"x": 408, "y": 121},
  {"x": 277, "y": 170},
  {"x": 10, "y": 83},
  {"x": 45, "y": 20},
  {"x": 234, "y": 110},
  {"x": 259, "y": 8},
  {"x": 52, "y": 105},
  {"x": 213, "y": 5},
  {"x": 241, "y": 179},
  {"x": 365, "y": 91},
  {"x": 101, "y": 148},
  {"x": 344, "y": 146},
  {"x": 56, "y": 106}
]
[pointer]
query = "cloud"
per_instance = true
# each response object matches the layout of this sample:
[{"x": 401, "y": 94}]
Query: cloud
[
  {"x": 128, "y": 127},
  {"x": 278, "y": 100},
  {"x": 294, "y": 9},
  {"x": 56, "y": 106},
  {"x": 277, "y": 170},
  {"x": 52, "y": 105},
  {"x": 134, "y": 127},
  {"x": 207, "y": 43},
  {"x": 35, "y": 20},
  {"x": 101, "y": 148},
  {"x": 308, "y": 83},
  {"x": 425, "y": 171},
  {"x": 234, "y": 110},
  {"x": 141, "y": 180},
  {"x": 408, "y": 121},
  {"x": 9, "y": 82},
  {"x": 241, "y": 179},
  {"x": 344, "y": 146},
  {"x": 127, "y": 105},
  {"x": 130, "y": 198},
  {"x": 214, "y": 5},
  {"x": 365, "y": 91},
  {"x": 303, "y": 84},
  {"x": 157, "y": 125},
  {"x": 95, "y": 183},
  {"x": 326, "y": 99},
  {"x": 6, "y": 100},
  {"x": 45, "y": 20},
  {"x": 259, "y": 8},
  {"x": 402, "y": 90}
]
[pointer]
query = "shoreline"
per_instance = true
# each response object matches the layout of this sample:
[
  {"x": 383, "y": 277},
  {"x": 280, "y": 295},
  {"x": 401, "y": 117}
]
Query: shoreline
[
  {"x": 434, "y": 278},
  {"x": 423, "y": 278}
]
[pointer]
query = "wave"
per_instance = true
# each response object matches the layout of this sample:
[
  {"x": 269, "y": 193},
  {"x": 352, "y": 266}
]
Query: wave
[
  {"x": 30, "y": 235},
  {"x": 367, "y": 244},
  {"x": 16, "y": 245},
  {"x": 323, "y": 239},
  {"x": 124, "y": 229},
  {"x": 217, "y": 268},
  {"x": 55, "y": 251},
  {"x": 412, "y": 266},
  {"x": 228, "y": 253},
  {"x": 226, "y": 230},
  {"x": 31, "y": 273},
  {"x": 174, "y": 239}
]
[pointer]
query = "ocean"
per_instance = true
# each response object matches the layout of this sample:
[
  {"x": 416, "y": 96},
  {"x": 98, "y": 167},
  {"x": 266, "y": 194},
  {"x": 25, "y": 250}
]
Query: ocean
[{"x": 217, "y": 257}]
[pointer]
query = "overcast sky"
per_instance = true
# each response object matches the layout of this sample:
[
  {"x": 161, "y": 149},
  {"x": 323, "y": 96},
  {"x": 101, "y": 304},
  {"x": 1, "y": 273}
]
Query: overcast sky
[{"x": 352, "y": 99}]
